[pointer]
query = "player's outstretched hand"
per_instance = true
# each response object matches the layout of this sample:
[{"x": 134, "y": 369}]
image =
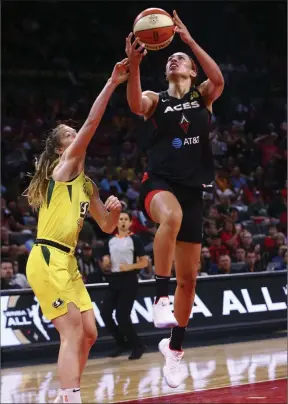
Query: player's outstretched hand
[
  {"x": 113, "y": 204},
  {"x": 181, "y": 28},
  {"x": 135, "y": 51},
  {"x": 120, "y": 72}
]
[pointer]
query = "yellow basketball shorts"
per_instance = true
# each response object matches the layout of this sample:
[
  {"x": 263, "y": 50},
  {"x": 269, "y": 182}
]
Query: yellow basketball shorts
[{"x": 56, "y": 281}]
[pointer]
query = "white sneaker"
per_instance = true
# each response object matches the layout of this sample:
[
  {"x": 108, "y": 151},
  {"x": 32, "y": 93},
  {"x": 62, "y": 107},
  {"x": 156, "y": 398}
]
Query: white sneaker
[
  {"x": 58, "y": 399},
  {"x": 162, "y": 314},
  {"x": 171, "y": 370}
]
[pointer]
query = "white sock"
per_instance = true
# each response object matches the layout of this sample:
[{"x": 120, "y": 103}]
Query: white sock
[{"x": 71, "y": 395}]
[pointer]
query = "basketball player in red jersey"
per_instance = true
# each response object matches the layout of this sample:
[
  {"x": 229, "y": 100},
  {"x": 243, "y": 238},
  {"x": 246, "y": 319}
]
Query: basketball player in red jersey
[{"x": 179, "y": 162}]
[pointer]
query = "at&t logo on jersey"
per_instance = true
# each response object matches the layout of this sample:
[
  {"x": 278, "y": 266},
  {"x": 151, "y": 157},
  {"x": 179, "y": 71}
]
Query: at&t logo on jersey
[
  {"x": 177, "y": 142},
  {"x": 181, "y": 107}
]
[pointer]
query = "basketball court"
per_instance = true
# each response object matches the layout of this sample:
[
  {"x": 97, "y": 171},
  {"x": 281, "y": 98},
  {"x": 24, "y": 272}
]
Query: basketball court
[{"x": 246, "y": 372}]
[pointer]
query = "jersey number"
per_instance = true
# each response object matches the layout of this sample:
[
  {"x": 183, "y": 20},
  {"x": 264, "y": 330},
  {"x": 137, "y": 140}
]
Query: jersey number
[{"x": 84, "y": 206}]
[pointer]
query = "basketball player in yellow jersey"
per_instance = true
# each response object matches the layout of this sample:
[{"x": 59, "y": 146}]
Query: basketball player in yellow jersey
[{"x": 64, "y": 195}]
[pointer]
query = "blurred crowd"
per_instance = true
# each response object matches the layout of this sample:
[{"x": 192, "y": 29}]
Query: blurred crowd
[{"x": 245, "y": 216}]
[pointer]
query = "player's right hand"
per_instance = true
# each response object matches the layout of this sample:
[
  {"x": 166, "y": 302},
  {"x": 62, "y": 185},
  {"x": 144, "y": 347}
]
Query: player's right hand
[
  {"x": 135, "y": 51},
  {"x": 120, "y": 72},
  {"x": 113, "y": 204}
]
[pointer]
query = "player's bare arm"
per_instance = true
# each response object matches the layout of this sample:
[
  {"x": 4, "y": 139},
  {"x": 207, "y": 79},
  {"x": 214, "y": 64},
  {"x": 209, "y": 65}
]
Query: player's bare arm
[
  {"x": 213, "y": 87},
  {"x": 72, "y": 160},
  {"x": 140, "y": 103},
  {"x": 106, "y": 215}
]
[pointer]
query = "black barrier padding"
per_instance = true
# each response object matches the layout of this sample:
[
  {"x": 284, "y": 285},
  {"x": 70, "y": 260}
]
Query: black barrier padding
[{"x": 221, "y": 302}]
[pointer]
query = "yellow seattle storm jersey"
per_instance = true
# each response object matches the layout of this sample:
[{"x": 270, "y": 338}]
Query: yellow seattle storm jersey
[{"x": 62, "y": 214}]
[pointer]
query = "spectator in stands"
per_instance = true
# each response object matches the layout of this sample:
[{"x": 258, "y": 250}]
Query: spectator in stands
[
  {"x": 87, "y": 234},
  {"x": 270, "y": 240},
  {"x": 145, "y": 229},
  {"x": 268, "y": 147},
  {"x": 223, "y": 184},
  {"x": 234, "y": 215},
  {"x": 206, "y": 265},
  {"x": 214, "y": 213},
  {"x": 279, "y": 240},
  {"x": 224, "y": 265},
  {"x": 218, "y": 144},
  {"x": 258, "y": 178},
  {"x": 88, "y": 265},
  {"x": 257, "y": 209},
  {"x": 125, "y": 165},
  {"x": 278, "y": 205},
  {"x": 5, "y": 241},
  {"x": 247, "y": 241},
  {"x": 283, "y": 215},
  {"x": 230, "y": 235},
  {"x": 224, "y": 206},
  {"x": 148, "y": 272},
  {"x": 217, "y": 248},
  {"x": 111, "y": 185},
  {"x": 123, "y": 181},
  {"x": 240, "y": 255},
  {"x": 237, "y": 180},
  {"x": 12, "y": 248},
  {"x": 133, "y": 191},
  {"x": 272, "y": 244},
  {"x": 281, "y": 259},
  {"x": 285, "y": 266},
  {"x": 252, "y": 265},
  {"x": 209, "y": 230},
  {"x": 7, "y": 275},
  {"x": 18, "y": 278}
]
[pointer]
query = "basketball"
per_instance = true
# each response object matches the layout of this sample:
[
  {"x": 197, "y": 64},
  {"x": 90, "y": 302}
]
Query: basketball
[{"x": 154, "y": 27}]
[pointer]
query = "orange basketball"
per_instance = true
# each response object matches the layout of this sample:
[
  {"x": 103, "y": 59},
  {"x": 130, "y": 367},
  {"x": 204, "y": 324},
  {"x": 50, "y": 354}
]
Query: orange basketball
[{"x": 155, "y": 28}]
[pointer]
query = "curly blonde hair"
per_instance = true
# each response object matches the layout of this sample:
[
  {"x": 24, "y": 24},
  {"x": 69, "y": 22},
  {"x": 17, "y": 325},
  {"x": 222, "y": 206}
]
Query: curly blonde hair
[{"x": 36, "y": 191}]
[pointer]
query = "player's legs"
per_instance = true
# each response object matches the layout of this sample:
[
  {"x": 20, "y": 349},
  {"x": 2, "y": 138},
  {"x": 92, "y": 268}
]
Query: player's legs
[
  {"x": 87, "y": 314},
  {"x": 71, "y": 333},
  {"x": 165, "y": 210},
  {"x": 86, "y": 334},
  {"x": 61, "y": 298},
  {"x": 187, "y": 258},
  {"x": 90, "y": 336},
  {"x": 186, "y": 264}
]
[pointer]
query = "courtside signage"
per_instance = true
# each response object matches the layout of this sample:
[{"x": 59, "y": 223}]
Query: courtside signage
[{"x": 218, "y": 303}]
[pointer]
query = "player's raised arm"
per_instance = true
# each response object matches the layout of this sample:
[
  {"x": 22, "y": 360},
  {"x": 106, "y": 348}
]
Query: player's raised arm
[
  {"x": 106, "y": 215},
  {"x": 212, "y": 88},
  {"x": 85, "y": 134},
  {"x": 139, "y": 103}
]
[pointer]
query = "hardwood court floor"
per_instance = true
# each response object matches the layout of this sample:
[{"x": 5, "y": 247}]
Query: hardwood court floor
[{"x": 117, "y": 380}]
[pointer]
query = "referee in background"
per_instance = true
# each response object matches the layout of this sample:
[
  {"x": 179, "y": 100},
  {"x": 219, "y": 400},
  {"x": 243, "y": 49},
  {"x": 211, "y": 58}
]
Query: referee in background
[{"x": 124, "y": 256}]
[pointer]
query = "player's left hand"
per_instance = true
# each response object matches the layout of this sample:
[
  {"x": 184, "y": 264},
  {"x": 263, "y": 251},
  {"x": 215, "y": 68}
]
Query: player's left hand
[
  {"x": 135, "y": 50},
  {"x": 113, "y": 204},
  {"x": 181, "y": 28},
  {"x": 124, "y": 267},
  {"x": 120, "y": 72}
]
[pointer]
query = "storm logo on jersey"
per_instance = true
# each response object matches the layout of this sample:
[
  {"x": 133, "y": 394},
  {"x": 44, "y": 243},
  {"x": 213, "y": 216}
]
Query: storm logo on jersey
[{"x": 84, "y": 208}]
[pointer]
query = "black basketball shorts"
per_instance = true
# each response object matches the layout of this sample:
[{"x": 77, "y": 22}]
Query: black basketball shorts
[{"x": 190, "y": 200}]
